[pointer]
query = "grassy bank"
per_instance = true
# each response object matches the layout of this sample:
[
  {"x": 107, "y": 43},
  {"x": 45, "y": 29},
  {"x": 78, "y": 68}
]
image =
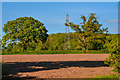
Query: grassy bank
[
  {"x": 102, "y": 77},
  {"x": 57, "y": 52}
]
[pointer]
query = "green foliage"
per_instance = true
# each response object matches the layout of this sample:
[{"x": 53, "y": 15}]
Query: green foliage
[
  {"x": 40, "y": 46},
  {"x": 102, "y": 77},
  {"x": 57, "y": 52},
  {"x": 55, "y": 41},
  {"x": 90, "y": 32},
  {"x": 25, "y": 30},
  {"x": 17, "y": 48},
  {"x": 111, "y": 76},
  {"x": 114, "y": 50}
]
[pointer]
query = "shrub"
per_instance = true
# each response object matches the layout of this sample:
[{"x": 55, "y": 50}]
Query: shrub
[{"x": 114, "y": 50}]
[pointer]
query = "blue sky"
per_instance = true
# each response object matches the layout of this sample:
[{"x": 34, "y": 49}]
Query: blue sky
[
  {"x": 60, "y": 0},
  {"x": 53, "y": 14}
]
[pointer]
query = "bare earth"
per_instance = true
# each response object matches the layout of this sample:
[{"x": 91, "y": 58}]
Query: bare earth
[{"x": 57, "y": 65}]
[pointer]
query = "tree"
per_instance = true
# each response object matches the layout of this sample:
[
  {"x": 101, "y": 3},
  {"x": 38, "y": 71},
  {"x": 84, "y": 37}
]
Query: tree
[
  {"x": 25, "y": 30},
  {"x": 40, "y": 46},
  {"x": 114, "y": 50},
  {"x": 55, "y": 41},
  {"x": 89, "y": 31}
]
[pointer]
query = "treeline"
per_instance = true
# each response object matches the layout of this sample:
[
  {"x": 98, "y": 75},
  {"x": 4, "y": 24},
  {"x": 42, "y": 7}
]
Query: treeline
[{"x": 56, "y": 42}]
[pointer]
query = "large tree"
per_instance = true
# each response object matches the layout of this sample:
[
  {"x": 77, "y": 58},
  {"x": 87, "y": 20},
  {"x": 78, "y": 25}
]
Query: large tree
[
  {"x": 26, "y": 31},
  {"x": 90, "y": 31}
]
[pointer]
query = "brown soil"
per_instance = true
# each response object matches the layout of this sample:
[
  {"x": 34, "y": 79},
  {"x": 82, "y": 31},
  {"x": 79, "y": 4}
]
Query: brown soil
[{"x": 57, "y": 65}]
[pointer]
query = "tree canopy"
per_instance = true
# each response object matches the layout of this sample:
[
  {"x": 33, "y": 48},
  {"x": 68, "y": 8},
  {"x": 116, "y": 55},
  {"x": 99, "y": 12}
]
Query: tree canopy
[
  {"x": 90, "y": 31},
  {"x": 25, "y": 30}
]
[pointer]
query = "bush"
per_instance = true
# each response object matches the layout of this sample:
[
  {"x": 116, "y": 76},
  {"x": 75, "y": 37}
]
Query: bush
[{"x": 114, "y": 50}]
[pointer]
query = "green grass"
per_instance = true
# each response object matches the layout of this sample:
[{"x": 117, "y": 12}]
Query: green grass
[
  {"x": 107, "y": 76},
  {"x": 103, "y": 77},
  {"x": 57, "y": 52}
]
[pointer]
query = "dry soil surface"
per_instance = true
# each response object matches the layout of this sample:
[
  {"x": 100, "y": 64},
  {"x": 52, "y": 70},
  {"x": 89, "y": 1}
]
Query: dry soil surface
[{"x": 57, "y": 65}]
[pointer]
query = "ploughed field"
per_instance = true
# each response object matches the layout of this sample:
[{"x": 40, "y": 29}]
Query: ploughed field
[{"x": 57, "y": 65}]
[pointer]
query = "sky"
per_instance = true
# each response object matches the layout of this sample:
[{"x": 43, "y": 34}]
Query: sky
[
  {"x": 60, "y": 0},
  {"x": 53, "y": 14}
]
